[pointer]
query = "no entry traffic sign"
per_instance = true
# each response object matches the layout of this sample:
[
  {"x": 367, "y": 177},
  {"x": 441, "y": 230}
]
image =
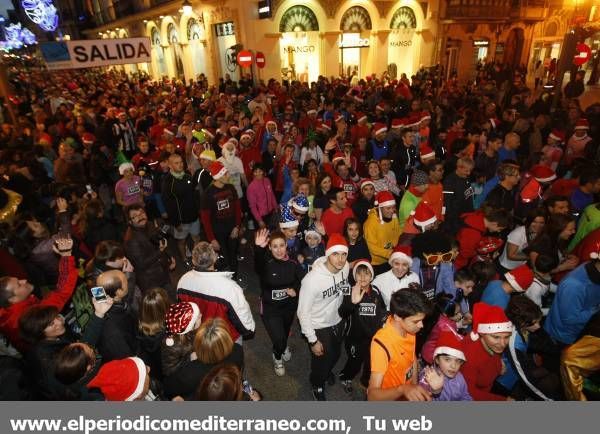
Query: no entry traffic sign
[
  {"x": 244, "y": 58},
  {"x": 260, "y": 60},
  {"x": 584, "y": 53}
]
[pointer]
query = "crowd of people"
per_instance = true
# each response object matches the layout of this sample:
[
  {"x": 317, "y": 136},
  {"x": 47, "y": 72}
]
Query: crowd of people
[{"x": 443, "y": 239}]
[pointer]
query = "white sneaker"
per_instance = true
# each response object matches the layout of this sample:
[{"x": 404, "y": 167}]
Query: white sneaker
[
  {"x": 278, "y": 366},
  {"x": 287, "y": 355}
]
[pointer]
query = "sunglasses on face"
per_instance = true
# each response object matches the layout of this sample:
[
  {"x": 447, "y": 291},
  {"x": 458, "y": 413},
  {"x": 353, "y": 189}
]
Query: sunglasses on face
[{"x": 436, "y": 258}]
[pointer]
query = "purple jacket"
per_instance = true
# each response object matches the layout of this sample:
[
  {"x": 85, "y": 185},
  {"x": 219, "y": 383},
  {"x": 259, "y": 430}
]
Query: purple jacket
[
  {"x": 261, "y": 198},
  {"x": 455, "y": 389}
]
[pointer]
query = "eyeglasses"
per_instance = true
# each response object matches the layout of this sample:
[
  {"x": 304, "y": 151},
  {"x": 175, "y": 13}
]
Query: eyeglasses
[{"x": 436, "y": 258}]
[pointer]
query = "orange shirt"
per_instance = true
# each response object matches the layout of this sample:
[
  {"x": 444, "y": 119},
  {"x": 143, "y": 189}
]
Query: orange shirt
[
  {"x": 397, "y": 370},
  {"x": 434, "y": 197}
]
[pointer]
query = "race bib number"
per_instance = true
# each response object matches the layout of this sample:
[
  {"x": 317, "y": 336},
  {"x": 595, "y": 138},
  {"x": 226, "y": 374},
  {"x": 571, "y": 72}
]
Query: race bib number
[
  {"x": 222, "y": 204},
  {"x": 346, "y": 290},
  {"x": 367, "y": 309},
  {"x": 133, "y": 189},
  {"x": 279, "y": 294},
  {"x": 348, "y": 188},
  {"x": 429, "y": 293}
]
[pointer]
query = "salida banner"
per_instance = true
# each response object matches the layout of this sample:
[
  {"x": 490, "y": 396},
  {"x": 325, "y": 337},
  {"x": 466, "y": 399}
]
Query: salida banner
[{"x": 95, "y": 52}]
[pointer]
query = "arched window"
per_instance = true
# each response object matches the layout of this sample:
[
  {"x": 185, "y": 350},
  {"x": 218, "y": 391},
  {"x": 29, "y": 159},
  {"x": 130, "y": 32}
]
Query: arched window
[
  {"x": 194, "y": 32},
  {"x": 298, "y": 19},
  {"x": 155, "y": 36},
  {"x": 172, "y": 34},
  {"x": 355, "y": 20},
  {"x": 403, "y": 18}
]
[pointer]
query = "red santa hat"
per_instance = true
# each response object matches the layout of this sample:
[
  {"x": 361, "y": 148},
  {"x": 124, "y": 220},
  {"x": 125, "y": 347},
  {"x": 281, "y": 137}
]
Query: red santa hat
[
  {"x": 494, "y": 122},
  {"x": 379, "y": 128},
  {"x": 88, "y": 138},
  {"x": 326, "y": 125},
  {"x": 384, "y": 198},
  {"x": 217, "y": 170},
  {"x": 366, "y": 263},
  {"x": 397, "y": 123},
  {"x": 181, "y": 319},
  {"x": 360, "y": 117},
  {"x": 542, "y": 173},
  {"x": 169, "y": 131},
  {"x": 311, "y": 112},
  {"x": 425, "y": 116},
  {"x": 336, "y": 243},
  {"x": 359, "y": 99},
  {"x": 121, "y": 380},
  {"x": 380, "y": 107},
  {"x": 245, "y": 136},
  {"x": 557, "y": 135},
  {"x": 426, "y": 152},
  {"x": 413, "y": 121},
  {"x": 489, "y": 319},
  {"x": 338, "y": 117},
  {"x": 271, "y": 123},
  {"x": 234, "y": 128},
  {"x": 423, "y": 215},
  {"x": 596, "y": 253},
  {"x": 582, "y": 124},
  {"x": 450, "y": 343},
  {"x": 365, "y": 182},
  {"x": 401, "y": 253},
  {"x": 337, "y": 156},
  {"x": 532, "y": 191},
  {"x": 520, "y": 278}
]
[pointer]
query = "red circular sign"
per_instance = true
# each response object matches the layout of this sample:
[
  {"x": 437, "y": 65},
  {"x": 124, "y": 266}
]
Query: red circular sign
[
  {"x": 584, "y": 53},
  {"x": 260, "y": 60},
  {"x": 244, "y": 58}
]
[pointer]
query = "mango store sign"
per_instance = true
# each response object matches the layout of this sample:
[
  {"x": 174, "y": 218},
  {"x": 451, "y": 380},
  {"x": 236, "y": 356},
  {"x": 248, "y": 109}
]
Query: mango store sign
[{"x": 96, "y": 52}]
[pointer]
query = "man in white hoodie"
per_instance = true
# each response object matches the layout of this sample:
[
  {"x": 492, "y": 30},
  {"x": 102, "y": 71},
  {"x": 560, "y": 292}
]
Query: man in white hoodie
[
  {"x": 399, "y": 276},
  {"x": 321, "y": 295}
]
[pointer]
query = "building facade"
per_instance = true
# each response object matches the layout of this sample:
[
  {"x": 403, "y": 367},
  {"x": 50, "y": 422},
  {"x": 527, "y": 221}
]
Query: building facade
[{"x": 302, "y": 39}]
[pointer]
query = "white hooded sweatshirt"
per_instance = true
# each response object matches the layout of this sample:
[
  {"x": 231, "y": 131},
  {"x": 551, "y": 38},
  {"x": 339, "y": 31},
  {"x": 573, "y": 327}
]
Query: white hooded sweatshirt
[
  {"x": 388, "y": 283},
  {"x": 321, "y": 295}
]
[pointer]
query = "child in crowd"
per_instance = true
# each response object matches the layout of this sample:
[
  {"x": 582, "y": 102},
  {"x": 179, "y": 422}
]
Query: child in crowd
[
  {"x": 443, "y": 378},
  {"x": 314, "y": 249},
  {"x": 448, "y": 312},
  {"x": 542, "y": 280}
]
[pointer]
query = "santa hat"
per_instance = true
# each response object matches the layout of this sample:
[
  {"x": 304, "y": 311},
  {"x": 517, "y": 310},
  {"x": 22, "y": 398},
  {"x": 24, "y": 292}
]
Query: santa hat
[
  {"x": 413, "y": 121},
  {"x": 489, "y": 245},
  {"x": 121, "y": 113},
  {"x": 88, "y": 138},
  {"x": 596, "y": 253},
  {"x": 361, "y": 117},
  {"x": 287, "y": 219},
  {"x": 520, "y": 278},
  {"x": 365, "y": 182},
  {"x": 169, "y": 131},
  {"x": 234, "y": 128},
  {"x": 121, "y": 380},
  {"x": 359, "y": 98},
  {"x": 326, "y": 125},
  {"x": 494, "y": 122},
  {"x": 338, "y": 117},
  {"x": 124, "y": 166},
  {"x": 379, "y": 128},
  {"x": 380, "y": 106},
  {"x": 311, "y": 112},
  {"x": 582, "y": 124},
  {"x": 384, "y": 198},
  {"x": 217, "y": 170},
  {"x": 426, "y": 152},
  {"x": 489, "y": 319},
  {"x": 336, "y": 243},
  {"x": 542, "y": 173},
  {"x": 402, "y": 253},
  {"x": 557, "y": 135},
  {"x": 300, "y": 203},
  {"x": 245, "y": 136},
  {"x": 397, "y": 123},
  {"x": 208, "y": 154},
  {"x": 425, "y": 116},
  {"x": 366, "y": 263},
  {"x": 423, "y": 215},
  {"x": 532, "y": 191},
  {"x": 313, "y": 233},
  {"x": 271, "y": 123},
  {"x": 450, "y": 343},
  {"x": 338, "y": 156},
  {"x": 181, "y": 319}
]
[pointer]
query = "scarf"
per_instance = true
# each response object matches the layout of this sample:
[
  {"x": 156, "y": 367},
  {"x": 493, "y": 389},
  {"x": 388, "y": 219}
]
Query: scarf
[{"x": 177, "y": 175}]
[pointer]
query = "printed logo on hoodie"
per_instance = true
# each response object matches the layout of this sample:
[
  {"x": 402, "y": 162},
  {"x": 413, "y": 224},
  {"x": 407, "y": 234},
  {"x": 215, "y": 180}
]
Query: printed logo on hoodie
[{"x": 340, "y": 288}]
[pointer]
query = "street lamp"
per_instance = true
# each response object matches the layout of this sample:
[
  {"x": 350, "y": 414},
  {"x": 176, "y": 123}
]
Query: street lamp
[{"x": 187, "y": 7}]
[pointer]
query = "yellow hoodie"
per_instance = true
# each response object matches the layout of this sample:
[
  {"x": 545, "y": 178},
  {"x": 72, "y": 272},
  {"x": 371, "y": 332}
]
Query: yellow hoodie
[{"x": 381, "y": 237}]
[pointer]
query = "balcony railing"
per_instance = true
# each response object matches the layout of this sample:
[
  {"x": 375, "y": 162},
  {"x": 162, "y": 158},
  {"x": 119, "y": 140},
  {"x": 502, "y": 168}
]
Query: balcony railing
[{"x": 495, "y": 10}]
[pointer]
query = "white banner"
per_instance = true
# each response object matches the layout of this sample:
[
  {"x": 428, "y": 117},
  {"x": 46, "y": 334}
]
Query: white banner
[{"x": 96, "y": 52}]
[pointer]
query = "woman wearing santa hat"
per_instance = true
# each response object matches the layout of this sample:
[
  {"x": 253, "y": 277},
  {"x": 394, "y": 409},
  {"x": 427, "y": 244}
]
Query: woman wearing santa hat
[
  {"x": 399, "y": 276},
  {"x": 483, "y": 350},
  {"x": 321, "y": 295}
]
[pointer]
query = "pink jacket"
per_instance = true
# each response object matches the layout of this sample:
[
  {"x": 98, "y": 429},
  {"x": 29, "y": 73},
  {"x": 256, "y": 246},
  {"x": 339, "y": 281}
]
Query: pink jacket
[
  {"x": 443, "y": 323},
  {"x": 261, "y": 198}
]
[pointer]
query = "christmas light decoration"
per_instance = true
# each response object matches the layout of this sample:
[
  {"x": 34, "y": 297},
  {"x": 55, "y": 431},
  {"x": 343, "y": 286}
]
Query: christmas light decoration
[{"x": 41, "y": 12}]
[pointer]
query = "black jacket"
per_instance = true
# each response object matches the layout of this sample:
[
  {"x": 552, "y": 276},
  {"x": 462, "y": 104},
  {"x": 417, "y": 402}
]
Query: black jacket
[
  {"x": 179, "y": 199},
  {"x": 361, "y": 208},
  {"x": 366, "y": 317},
  {"x": 275, "y": 276},
  {"x": 152, "y": 265},
  {"x": 404, "y": 161},
  {"x": 458, "y": 199},
  {"x": 118, "y": 338}
]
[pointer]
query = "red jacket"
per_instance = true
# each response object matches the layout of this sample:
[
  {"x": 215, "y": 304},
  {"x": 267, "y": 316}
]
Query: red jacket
[
  {"x": 468, "y": 238},
  {"x": 9, "y": 316},
  {"x": 481, "y": 370}
]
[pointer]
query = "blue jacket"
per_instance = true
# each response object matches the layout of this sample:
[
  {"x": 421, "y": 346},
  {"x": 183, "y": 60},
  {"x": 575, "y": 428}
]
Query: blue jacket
[
  {"x": 495, "y": 295},
  {"x": 444, "y": 279},
  {"x": 577, "y": 300}
]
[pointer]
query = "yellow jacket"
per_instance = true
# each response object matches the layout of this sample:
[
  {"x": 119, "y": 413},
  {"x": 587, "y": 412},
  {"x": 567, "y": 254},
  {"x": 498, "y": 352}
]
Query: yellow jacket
[{"x": 381, "y": 237}]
